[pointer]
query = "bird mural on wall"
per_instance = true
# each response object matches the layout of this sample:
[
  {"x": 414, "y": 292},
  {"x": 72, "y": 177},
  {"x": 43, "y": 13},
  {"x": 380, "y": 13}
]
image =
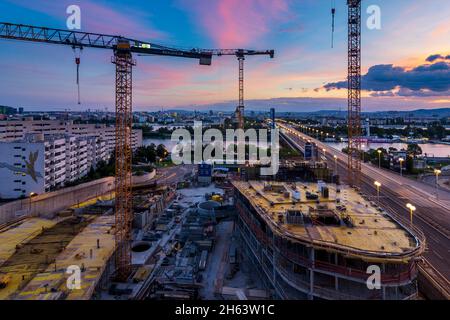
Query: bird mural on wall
[{"x": 29, "y": 166}]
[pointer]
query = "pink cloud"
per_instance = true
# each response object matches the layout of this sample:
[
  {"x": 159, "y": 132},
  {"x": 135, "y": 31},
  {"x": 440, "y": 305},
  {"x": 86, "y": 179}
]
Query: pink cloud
[{"x": 237, "y": 23}]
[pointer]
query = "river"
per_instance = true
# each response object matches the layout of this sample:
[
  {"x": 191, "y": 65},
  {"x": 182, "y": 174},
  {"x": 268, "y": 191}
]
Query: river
[{"x": 432, "y": 150}]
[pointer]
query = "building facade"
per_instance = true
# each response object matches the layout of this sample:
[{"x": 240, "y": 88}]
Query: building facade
[
  {"x": 41, "y": 155},
  {"x": 12, "y": 130},
  {"x": 321, "y": 248}
]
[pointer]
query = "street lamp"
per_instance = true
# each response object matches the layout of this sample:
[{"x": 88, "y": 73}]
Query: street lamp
[
  {"x": 378, "y": 185},
  {"x": 437, "y": 172},
  {"x": 401, "y": 166},
  {"x": 324, "y": 152},
  {"x": 363, "y": 146},
  {"x": 411, "y": 211},
  {"x": 32, "y": 194},
  {"x": 379, "y": 158},
  {"x": 335, "y": 163}
]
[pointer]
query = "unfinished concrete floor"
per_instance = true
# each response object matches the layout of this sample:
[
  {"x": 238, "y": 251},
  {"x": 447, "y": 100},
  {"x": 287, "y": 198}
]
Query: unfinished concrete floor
[{"x": 38, "y": 253}]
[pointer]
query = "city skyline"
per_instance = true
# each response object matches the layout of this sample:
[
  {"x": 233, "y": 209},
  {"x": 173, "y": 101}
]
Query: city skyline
[{"x": 406, "y": 63}]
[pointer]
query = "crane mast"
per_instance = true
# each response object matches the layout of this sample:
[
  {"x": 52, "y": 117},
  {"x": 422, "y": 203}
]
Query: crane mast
[
  {"x": 240, "y": 54},
  {"x": 240, "y": 107},
  {"x": 354, "y": 92},
  {"x": 124, "y": 200}
]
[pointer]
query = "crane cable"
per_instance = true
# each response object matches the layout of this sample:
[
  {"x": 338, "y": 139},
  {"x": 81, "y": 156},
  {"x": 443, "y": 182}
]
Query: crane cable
[
  {"x": 333, "y": 12},
  {"x": 77, "y": 52}
]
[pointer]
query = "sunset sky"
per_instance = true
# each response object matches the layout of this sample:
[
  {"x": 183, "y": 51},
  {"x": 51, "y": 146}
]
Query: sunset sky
[{"x": 406, "y": 64}]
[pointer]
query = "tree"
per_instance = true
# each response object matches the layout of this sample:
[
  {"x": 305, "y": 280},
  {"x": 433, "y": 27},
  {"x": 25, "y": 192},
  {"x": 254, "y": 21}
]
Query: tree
[
  {"x": 414, "y": 149},
  {"x": 161, "y": 151}
]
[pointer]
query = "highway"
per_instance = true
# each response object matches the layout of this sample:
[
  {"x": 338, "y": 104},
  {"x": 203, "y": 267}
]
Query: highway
[{"x": 432, "y": 216}]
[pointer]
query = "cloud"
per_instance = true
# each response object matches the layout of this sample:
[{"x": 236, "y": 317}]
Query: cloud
[
  {"x": 435, "y": 57},
  {"x": 388, "y": 80},
  {"x": 237, "y": 23}
]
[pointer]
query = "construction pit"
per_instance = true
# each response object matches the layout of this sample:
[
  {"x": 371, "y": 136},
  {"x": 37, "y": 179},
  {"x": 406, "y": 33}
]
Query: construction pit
[{"x": 38, "y": 256}]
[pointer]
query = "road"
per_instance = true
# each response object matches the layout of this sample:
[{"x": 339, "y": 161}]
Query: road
[
  {"x": 432, "y": 215},
  {"x": 173, "y": 174}
]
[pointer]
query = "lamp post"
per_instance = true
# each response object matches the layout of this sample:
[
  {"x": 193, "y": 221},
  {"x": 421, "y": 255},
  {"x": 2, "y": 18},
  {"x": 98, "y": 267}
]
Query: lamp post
[
  {"x": 32, "y": 194},
  {"x": 324, "y": 153},
  {"x": 401, "y": 166},
  {"x": 411, "y": 211},
  {"x": 335, "y": 163},
  {"x": 437, "y": 172},
  {"x": 378, "y": 185},
  {"x": 379, "y": 158},
  {"x": 363, "y": 147}
]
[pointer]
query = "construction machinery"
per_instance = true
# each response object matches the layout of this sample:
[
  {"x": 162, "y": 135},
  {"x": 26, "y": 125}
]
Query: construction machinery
[
  {"x": 354, "y": 90},
  {"x": 240, "y": 54},
  {"x": 123, "y": 49}
]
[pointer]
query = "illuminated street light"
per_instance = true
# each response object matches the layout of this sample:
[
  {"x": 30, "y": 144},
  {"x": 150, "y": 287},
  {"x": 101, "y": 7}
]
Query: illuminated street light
[
  {"x": 335, "y": 163},
  {"x": 437, "y": 172},
  {"x": 411, "y": 211},
  {"x": 32, "y": 194},
  {"x": 401, "y": 166},
  {"x": 379, "y": 158},
  {"x": 378, "y": 185}
]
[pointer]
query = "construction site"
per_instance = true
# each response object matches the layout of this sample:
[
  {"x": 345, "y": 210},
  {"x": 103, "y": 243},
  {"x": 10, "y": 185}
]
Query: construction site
[
  {"x": 214, "y": 232},
  {"x": 316, "y": 241}
]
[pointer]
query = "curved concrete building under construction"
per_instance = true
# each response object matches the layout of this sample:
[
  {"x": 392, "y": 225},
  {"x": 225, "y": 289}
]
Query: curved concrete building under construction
[{"x": 317, "y": 241}]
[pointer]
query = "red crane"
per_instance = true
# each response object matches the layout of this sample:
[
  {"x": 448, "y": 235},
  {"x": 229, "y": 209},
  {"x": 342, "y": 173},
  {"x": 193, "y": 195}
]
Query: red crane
[
  {"x": 123, "y": 49},
  {"x": 354, "y": 92}
]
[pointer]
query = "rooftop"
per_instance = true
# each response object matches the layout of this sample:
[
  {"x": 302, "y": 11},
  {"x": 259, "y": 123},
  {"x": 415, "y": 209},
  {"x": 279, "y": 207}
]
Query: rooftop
[
  {"x": 83, "y": 252},
  {"x": 344, "y": 220}
]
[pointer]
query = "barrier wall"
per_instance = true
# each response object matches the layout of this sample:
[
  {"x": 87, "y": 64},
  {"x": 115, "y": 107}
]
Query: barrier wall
[{"x": 50, "y": 203}]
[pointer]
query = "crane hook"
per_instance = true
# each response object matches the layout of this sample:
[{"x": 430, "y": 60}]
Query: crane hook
[{"x": 77, "y": 62}]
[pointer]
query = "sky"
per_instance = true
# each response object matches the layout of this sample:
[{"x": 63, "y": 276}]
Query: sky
[{"x": 406, "y": 63}]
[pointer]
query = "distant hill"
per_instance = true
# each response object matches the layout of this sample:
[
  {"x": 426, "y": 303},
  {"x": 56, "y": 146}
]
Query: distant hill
[{"x": 428, "y": 113}]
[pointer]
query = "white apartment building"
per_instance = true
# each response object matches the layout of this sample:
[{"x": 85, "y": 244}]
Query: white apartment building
[
  {"x": 12, "y": 130},
  {"x": 40, "y": 155},
  {"x": 22, "y": 169},
  {"x": 39, "y": 163}
]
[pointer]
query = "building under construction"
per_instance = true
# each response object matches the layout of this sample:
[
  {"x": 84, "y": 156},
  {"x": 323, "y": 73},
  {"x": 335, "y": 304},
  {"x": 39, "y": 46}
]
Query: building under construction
[{"x": 317, "y": 241}]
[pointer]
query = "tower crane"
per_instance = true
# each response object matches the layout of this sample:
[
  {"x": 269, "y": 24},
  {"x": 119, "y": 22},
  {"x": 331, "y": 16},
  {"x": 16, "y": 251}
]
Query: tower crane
[
  {"x": 123, "y": 48},
  {"x": 354, "y": 90},
  {"x": 240, "y": 54}
]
